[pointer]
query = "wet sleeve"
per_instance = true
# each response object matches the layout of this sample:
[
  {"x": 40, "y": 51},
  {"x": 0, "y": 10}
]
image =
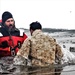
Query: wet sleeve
[
  {"x": 59, "y": 53},
  {"x": 24, "y": 50}
]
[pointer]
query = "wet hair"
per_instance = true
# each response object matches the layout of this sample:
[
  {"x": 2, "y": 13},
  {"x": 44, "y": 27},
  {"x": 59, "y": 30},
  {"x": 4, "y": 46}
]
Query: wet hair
[{"x": 35, "y": 25}]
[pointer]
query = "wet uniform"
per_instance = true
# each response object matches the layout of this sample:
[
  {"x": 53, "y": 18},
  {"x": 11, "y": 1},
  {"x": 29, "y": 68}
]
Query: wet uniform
[{"x": 41, "y": 49}]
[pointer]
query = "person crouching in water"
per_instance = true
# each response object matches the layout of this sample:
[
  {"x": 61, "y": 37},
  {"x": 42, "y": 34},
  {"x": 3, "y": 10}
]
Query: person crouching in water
[{"x": 40, "y": 49}]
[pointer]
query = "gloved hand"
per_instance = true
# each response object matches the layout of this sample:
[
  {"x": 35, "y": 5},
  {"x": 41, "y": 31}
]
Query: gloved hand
[{"x": 4, "y": 44}]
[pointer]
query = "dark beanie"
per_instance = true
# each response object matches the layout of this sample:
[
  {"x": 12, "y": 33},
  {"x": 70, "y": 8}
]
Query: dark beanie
[{"x": 6, "y": 15}]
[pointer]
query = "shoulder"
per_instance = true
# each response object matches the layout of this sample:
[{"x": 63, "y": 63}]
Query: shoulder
[
  {"x": 20, "y": 30},
  {"x": 1, "y": 31},
  {"x": 50, "y": 38},
  {"x": 24, "y": 31},
  {"x": 26, "y": 42}
]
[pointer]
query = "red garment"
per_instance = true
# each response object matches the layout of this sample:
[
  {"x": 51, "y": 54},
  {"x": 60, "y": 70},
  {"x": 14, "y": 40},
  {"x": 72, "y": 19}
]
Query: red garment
[
  {"x": 0, "y": 21},
  {"x": 8, "y": 44}
]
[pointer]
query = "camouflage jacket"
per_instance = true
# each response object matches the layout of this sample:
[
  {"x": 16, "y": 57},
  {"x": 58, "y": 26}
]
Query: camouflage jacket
[{"x": 42, "y": 49}]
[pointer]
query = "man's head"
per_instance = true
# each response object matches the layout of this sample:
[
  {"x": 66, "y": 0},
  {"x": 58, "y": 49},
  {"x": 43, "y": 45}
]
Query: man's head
[
  {"x": 34, "y": 26},
  {"x": 7, "y": 19}
]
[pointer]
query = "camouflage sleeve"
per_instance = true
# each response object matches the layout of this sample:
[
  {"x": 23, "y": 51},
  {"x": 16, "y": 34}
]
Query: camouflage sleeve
[
  {"x": 59, "y": 53},
  {"x": 24, "y": 50}
]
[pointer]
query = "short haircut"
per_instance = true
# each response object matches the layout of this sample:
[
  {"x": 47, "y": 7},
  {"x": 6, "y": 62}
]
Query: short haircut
[{"x": 35, "y": 25}]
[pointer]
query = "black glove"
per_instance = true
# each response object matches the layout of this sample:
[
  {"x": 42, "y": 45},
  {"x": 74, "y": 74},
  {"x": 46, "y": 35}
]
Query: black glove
[{"x": 4, "y": 44}]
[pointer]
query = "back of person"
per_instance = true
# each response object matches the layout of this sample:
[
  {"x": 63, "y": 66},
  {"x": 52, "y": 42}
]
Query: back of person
[{"x": 43, "y": 49}]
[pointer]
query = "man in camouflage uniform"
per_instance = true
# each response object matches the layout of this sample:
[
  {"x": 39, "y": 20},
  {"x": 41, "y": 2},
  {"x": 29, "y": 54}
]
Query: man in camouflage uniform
[{"x": 41, "y": 49}]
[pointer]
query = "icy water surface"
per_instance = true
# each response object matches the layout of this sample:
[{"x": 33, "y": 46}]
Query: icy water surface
[
  {"x": 66, "y": 69},
  {"x": 7, "y": 68}
]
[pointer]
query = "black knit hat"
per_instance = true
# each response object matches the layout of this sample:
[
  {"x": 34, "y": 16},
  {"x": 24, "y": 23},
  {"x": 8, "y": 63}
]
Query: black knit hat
[{"x": 6, "y": 15}]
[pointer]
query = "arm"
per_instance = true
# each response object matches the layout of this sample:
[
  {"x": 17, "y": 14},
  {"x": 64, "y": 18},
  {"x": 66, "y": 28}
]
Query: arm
[
  {"x": 59, "y": 54},
  {"x": 22, "y": 54},
  {"x": 24, "y": 50},
  {"x": 58, "y": 50}
]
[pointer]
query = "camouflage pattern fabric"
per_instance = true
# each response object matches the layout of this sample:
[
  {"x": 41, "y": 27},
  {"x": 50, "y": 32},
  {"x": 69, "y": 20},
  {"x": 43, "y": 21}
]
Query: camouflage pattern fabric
[{"x": 42, "y": 49}]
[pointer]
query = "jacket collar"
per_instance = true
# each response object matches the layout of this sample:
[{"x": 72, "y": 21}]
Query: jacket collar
[{"x": 36, "y": 32}]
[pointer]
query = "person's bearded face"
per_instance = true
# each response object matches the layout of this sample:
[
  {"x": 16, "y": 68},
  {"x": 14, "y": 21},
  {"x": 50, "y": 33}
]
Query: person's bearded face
[{"x": 10, "y": 23}]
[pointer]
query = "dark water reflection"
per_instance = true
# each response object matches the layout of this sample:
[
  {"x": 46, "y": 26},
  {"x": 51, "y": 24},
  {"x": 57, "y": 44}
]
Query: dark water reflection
[
  {"x": 50, "y": 70},
  {"x": 7, "y": 68}
]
